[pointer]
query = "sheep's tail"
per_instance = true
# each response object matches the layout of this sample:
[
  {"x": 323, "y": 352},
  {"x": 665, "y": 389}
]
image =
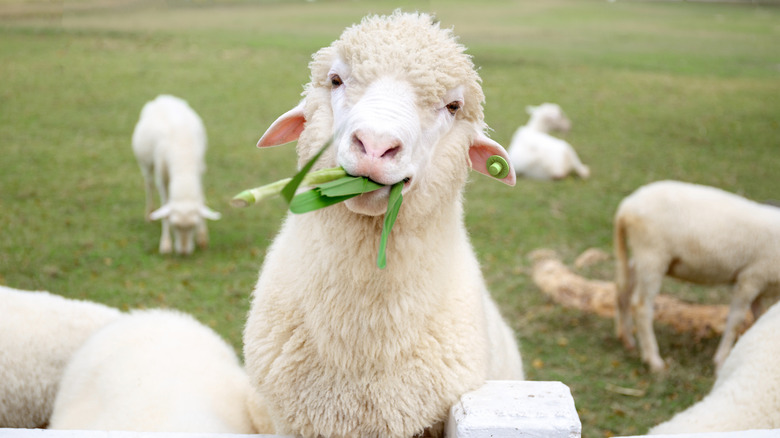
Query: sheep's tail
[
  {"x": 623, "y": 272},
  {"x": 623, "y": 281}
]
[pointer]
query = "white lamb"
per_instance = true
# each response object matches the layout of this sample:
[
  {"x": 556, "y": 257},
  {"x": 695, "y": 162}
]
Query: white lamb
[
  {"x": 38, "y": 334},
  {"x": 335, "y": 345},
  {"x": 538, "y": 155},
  {"x": 746, "y": 394},
  {"x": 694, "y": 233},
  {"x": 169, "y": 142},
  {"x": 154, "y": 371}
]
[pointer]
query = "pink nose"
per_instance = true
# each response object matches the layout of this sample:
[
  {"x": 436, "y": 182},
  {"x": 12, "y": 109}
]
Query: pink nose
[{"x": 373, "y": 145}]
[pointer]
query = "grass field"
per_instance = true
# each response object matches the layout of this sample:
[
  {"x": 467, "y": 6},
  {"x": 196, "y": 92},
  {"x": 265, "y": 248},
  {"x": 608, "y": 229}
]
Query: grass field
[{"x": 655, "y": 90}]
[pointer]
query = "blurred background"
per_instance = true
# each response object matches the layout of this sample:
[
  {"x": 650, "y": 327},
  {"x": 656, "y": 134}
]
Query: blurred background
[{"x": 654, "y": 90}]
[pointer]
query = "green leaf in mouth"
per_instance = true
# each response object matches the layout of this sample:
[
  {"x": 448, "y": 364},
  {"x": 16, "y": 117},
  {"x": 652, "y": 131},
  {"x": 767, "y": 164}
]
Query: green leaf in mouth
[{"x": 393, "y": 206}]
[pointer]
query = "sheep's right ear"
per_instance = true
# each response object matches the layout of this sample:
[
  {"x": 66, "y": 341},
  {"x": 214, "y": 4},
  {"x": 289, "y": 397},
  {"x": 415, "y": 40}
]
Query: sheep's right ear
[
  {"x": 286, "y": 128},
  {"x": 530, "y": 109},
  {"x": 160, "y": 213}
]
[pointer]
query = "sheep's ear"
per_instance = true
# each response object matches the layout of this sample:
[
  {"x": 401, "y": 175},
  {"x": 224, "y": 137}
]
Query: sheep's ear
[
  {"x": 530, "y": 109},
  {"x": 286, "y": 128},
  {"x": 160, "y": 213},
  {"x": 209, "y": 213},
  {"x": 482, "y": 148}
]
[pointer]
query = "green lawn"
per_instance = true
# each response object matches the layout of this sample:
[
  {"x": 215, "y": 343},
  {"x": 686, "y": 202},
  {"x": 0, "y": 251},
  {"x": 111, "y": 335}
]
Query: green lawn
[{"x": 655, "y": 90}]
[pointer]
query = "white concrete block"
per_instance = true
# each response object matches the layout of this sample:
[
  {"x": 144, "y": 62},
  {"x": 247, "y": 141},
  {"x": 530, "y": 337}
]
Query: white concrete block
[{"x": 503, "y": 408}]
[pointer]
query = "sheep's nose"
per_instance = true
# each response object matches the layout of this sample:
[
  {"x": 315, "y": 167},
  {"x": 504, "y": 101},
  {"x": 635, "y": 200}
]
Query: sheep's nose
[{"x": 374, "y": 145}]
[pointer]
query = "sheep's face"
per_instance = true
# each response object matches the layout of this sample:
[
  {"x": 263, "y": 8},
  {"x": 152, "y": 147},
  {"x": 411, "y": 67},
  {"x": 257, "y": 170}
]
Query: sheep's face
[
  {"x": 549, "y": 117},
  {"x": 184, "y": 219},
  {"x": 403, "y": 103},
  {"x": 384, "y": 133}
]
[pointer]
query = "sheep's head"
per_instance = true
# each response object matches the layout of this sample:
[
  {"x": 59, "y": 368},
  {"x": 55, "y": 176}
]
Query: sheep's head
[
  {"x": 548, "y": 117},
  {"x": 185, "y": 218},
  {"x": 404, "y": 103}
]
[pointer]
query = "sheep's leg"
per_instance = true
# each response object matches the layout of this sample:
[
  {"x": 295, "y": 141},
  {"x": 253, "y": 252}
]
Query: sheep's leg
[
  {"x": 202, "y": 234},
  {"x": 165, "y": 239},
  {"x": 149, "y": 189},
  {"x": 648, "y": 284},
  {"x": 161, "y": 180},
  {"x": 745, "y": 291},
  {"x": 624, "y": 324}
]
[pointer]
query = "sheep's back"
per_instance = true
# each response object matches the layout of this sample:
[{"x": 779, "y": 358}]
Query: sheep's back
[{"x": 39, "y": 332}]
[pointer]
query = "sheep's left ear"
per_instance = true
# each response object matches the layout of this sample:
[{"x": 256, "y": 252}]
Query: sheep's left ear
[
  {"x": 160, "y": 213},
  {"x": 286, "y": 128},
  {"x": 209, "y": 213},
  {"x": 482, "y": 148}
]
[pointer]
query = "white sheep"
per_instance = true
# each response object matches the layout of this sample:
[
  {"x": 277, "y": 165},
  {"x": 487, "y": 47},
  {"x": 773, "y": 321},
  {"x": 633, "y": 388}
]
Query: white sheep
[
  {"x": 154, "y": 371},
  {"x": 39, "y": 332},
  {"x": 746, "y": 393},
  {"x": 538, "y": 155},
  {"x": 169, "y": 142},
  {"x": 694, "y": 233},
  {"x": 335, "y": 345}
]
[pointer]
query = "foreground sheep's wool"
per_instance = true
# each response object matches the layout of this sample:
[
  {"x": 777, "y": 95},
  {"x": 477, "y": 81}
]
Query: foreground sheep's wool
[
  {"x": 694, "y": 233},
  {"x": 746, "y": 394},
  {"x": 39, "y": 332},
  {"x": 336, "y": 346},
  {"x": 169, "y": 142},
  {"x": 154, "y": 371}
]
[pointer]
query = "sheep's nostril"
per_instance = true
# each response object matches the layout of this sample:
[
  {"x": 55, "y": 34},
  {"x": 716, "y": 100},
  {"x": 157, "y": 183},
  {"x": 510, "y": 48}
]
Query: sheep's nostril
[
  {"x": 358, "y": 143},
  {"x": 390, "y": 153}
]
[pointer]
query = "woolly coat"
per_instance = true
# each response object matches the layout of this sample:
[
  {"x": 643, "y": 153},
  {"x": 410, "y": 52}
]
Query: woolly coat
[
  {"x": 746, "y": 394},
  {"x": 694, "y": 233},
  {"x": 338, "y": 347},
  {"x": 39, "y": 332},
  {"x": 154, "y": 371}
]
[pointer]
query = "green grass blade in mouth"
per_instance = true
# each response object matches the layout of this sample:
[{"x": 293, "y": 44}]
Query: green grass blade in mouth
[
  {"x": 314, "y": 200},
  {"x": 348, "y": 185},
  {"x": 288, "y": 192},
  {"x": 393, "y": 206}
]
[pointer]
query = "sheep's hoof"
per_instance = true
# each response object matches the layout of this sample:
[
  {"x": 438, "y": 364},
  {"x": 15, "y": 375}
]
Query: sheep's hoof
[{"x": 657, "y": 365}]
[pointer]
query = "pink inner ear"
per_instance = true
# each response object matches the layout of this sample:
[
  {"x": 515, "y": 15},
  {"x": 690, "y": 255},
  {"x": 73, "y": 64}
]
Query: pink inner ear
[
  {"x": 483, "y": 148},
  {"x": 286, "y": 128}
]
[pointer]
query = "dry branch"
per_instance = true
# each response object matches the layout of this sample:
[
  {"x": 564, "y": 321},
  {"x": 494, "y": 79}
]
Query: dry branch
[{"x": 557, "y": 281}]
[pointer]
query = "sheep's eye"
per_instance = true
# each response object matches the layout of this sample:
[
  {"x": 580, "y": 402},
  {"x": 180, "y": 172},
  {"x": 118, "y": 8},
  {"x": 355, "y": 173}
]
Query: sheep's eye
[
  {"x": 336, "y": 81},
  {"x": 453, "y": 107}
]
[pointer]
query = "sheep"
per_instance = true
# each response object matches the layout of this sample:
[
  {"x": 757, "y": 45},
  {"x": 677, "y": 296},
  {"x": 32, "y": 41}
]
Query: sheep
[
  {"x": 169, "y": 142},
  {"x": 746, "y": 393},
  {"x": 154, "y": 371},
  {"x": 39, "y": 332},
  {"x": 538, "y": 155},
  {"x": 336, "y": 346},
  {"x": 698, "y": 234}
]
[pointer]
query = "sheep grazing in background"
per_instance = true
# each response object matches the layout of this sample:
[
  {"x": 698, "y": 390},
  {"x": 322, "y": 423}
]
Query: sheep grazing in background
[
  {"x": 335, "y": 345},
  {"x": 746, "y": 393},
  {"x": 169, "y": 142},
  {"x": 694, "y": 233},
  {"x": 536, "y": 154},
  {"x": 38, "y": 334},
  {"x": 154, "y": 371}
]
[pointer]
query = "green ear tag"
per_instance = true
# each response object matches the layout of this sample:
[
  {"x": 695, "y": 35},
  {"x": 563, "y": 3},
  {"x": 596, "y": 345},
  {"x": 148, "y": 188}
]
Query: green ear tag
[{"x": 497, "y": 166}]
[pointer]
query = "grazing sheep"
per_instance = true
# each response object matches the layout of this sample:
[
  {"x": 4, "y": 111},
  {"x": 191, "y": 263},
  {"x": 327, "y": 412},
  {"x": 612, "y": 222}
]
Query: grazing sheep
[
  {"x": 38, "y": 334},
  {"x": 746, "y": 393},
  {"x": 154, "y": 371},
  {"x": 169, "y": 142},
  {"x": 694, "y": 233},
  {"x": 538, "y": 155},
  {"x": 335, "y": 345}
]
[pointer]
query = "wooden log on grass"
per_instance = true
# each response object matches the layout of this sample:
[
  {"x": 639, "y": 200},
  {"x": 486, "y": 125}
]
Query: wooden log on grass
[{"x": 565, "y": 287}]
